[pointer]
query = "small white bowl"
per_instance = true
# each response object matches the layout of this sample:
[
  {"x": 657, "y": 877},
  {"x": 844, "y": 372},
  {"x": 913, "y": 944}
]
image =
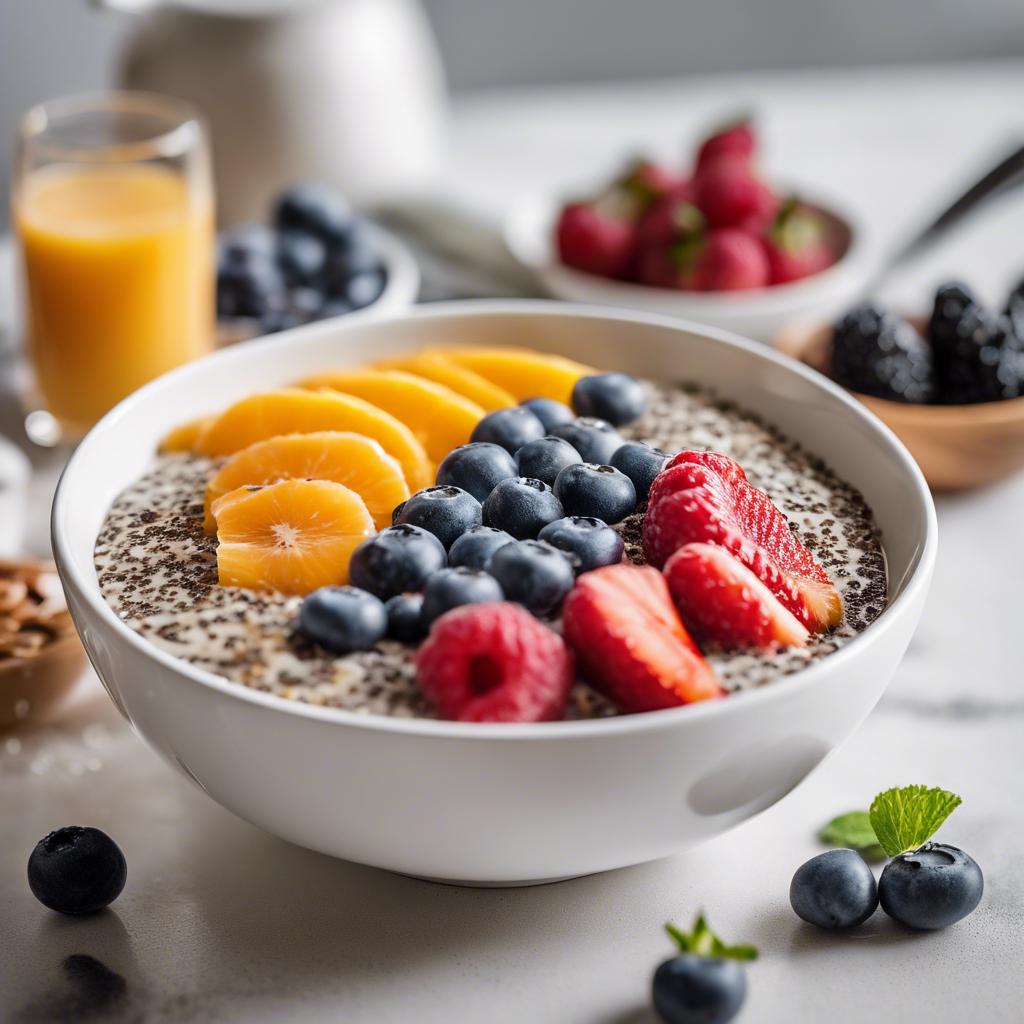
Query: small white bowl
[
  {"x": 759, "y": 313},
  {"x": 500, "y": 804}
]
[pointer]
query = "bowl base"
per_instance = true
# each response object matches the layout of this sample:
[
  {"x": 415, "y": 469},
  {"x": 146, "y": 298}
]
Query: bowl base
[{"x": 476, "y": 884}]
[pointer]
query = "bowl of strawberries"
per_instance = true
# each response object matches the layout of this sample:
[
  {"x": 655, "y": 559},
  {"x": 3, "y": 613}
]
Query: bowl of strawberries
[{"x": 717, "y": 244}]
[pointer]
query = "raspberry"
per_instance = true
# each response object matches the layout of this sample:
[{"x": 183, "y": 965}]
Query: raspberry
[
  {"x": 594, "y": 242},
  {"x": 727, "y": 192},
  {"x": 494, "y": 663},
  {"x": 736, "y": 140},
  {"x": 730, "y": 260}
]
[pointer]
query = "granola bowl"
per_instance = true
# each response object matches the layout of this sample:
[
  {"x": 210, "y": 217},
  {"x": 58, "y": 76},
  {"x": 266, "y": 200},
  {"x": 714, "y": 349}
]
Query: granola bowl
[{"x": 501, "y": 804}]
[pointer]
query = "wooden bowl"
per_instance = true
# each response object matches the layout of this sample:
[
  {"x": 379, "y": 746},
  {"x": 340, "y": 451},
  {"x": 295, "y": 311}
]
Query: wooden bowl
[
  {"x": 956, "y": 446},
  {"x": 33, "y": 684}
]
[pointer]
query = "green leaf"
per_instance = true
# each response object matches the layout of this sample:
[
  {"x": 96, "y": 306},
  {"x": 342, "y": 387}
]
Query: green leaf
[
  {"x": 702, "y": 941},
  {"x": 853, "y": 830},
  {"x": 905, "y": 818}
]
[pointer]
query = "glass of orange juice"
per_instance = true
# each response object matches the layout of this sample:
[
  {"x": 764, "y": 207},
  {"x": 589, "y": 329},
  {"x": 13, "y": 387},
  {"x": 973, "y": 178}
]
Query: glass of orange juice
[{"x": 112, "y": 204}]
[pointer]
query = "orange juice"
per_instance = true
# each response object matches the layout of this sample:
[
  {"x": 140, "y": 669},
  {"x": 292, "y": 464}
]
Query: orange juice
[{"x": 119, "y": 275}]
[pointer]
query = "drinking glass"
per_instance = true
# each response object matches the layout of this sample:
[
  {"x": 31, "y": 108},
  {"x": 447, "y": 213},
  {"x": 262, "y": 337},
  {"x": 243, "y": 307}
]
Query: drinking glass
[{"x": 112, "y": 207}]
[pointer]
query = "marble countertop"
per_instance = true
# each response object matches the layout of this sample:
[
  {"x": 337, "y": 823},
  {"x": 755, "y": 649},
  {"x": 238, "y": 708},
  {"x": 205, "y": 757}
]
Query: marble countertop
[{"x": 222, "y": 922}]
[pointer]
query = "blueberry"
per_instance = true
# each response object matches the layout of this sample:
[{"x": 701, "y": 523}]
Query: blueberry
[
  {"x": 598, "y": 491},
  {"x": 522, "y": 506},
  {"x": 692, "y": 989},
  {"x": 593, "y": 542},
  {"x": 332, "y": 308},
  {"x": 301, "y": 256},
  {"x": 342, "y": 619},
  {"x": 510, "y": 428},
  {"x": 476, "y": 546},
  {"x": 641, "y": 463},
  {"x": 542, "y": 459},
  {"x": 76, "y": 870},
  {"x": 252, "y": 289},
  {"x": 364, "y": 288},
  {"x": 315, "y": 208},
  {"x": 398, "y": 559},
  {"x": 246, "y": 243},
  {"x": 609, "y": 396},
  {"x": 834, "y": 890},
  {"x": 405, "y": 622},
  {"x": 275, "y": 320},
  {"x": 533, "y": 574},
  {"x": 931, "y": 887},
  {"x": 476, "y": 468},
  {"x": 550, "y": 413},
  {"x": 447, "y": 512},
  {"x": 451, "y": 588},
  {"x": 306, "y": 301},
  {"x": 397, "y": 511},
  {"x": 595, "y": 440},
  {"x": 356, "y": 251}
]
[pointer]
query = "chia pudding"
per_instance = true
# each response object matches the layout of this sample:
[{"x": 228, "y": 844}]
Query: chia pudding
[{"x": 157, "y": 569}]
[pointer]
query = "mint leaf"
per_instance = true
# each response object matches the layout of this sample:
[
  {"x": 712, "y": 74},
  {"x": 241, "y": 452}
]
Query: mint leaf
[
  {"x": 853, "y": 830},
  {"x": 904, "y": 818},
  {"x": 702, "y": 941}
]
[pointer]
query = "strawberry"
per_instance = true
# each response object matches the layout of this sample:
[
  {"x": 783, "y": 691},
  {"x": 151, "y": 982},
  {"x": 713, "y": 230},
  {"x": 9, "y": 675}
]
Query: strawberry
[
  {"x": 726, "y": 603},
  {"x": 705, "y": 497},
  {"x": 494, "y": 663},
  {"x": 768, "y": 205},
  {"x": 727, "y": 191},
  {"x": 797, "y": 244},
  {"x": 669, "y": 218},
  {"x": 627, "y": 636},
  {"x": 736, "y": 140},
  {"x": 648, "y": 181},
  {"x": 729, "y": 260},
  {"x": 593, "y": 240}
]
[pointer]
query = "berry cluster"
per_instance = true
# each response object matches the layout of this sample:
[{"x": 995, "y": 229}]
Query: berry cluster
[
  {"x": 970, "y": 353},
  {"x": 317, "y": 261},
  {"x": 515, "y": 516},
  {"x": 721, "y": 228}
]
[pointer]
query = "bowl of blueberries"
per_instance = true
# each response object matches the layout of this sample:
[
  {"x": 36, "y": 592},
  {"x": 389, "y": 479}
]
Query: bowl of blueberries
[
  {"x": 315, "y": 260},
  {"x": 949, "y": 383}
]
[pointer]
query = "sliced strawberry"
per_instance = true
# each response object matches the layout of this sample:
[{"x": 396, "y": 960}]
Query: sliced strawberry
[
  {"x": 722, "y": 600},
  {"x": 704, "y": 497},
  {"x": 628, "y": 639}
]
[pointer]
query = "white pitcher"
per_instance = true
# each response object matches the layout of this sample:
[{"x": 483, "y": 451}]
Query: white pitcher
[{"x": 349, "y": 92}]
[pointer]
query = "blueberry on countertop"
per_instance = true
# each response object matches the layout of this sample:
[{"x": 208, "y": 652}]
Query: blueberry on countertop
[
  {"x": 399, "y": 559},
  {"x": 836, "y": 889},
  {"x": 931, "y": 887},
  {"x": 342, "y": 619},
  {"x": 474, "y": 548},
  {"x": 451, "y": 588},
  {"x": 598, "y": 491},
  {"x": 315, "y": 208},
  {"x": 511, "y": 428},
  {"x": 876, "y": 353},
  {"x": 522, "y": 507},
  {"x": 550, "y": 413},
  {"x": 641, "y": 462},
  {"x": 476, "y": 468},
  {"x": 533, "y": 574},
  {"x": 405, "y": 622},
  {"x": 596, "y": 440},
  {"x": 691, "y": 989},
  {"x": 593, "y": 542},
  {"x": 76, "y": 870},
  {"x": 447, "y": 512},
  {"x": 614, "y": 397},
  {"x": 544, "y": 458}
]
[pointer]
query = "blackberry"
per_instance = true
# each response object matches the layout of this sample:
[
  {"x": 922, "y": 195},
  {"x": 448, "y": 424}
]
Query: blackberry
[
  {"x": 876, "y": 353},
  {"x": 978, "y": 356}
]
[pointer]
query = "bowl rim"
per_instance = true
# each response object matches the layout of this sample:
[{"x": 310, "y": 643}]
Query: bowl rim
[
  {"x": 87, "y": 588},
  {"x": 528, "y": 228}
]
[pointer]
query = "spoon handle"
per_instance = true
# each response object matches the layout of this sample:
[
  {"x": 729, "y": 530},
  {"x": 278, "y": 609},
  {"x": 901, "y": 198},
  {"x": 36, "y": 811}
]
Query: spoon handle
[{"x": 1007, "y": 173}]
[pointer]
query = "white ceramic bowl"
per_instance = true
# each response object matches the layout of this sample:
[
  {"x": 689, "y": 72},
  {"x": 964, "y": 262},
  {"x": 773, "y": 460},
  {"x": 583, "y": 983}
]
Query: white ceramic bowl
[
  {"x": 499, "y": 804},
  {"x": 759, "y": 313}
]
